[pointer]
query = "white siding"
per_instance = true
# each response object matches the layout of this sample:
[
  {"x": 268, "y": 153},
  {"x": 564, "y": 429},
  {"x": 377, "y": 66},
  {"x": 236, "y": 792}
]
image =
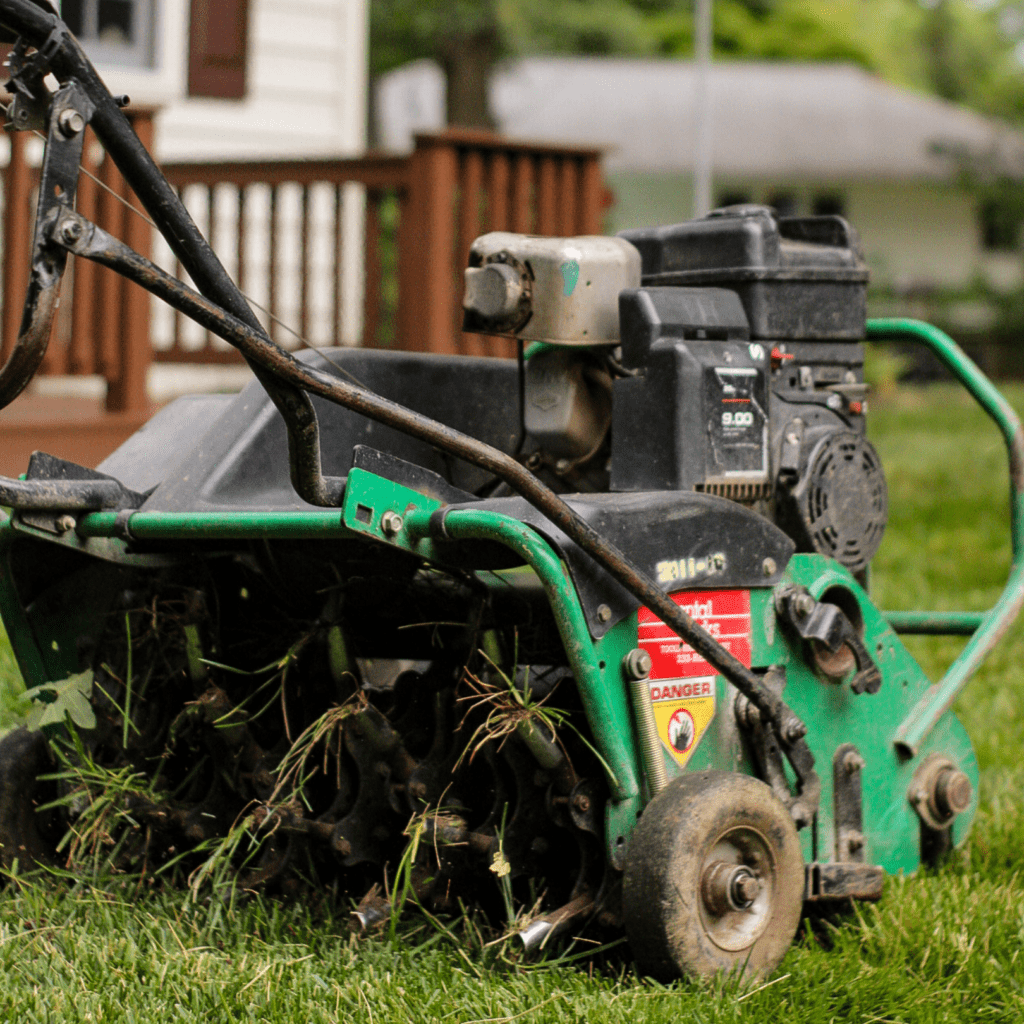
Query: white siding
[{"x": 306, "y": 85}]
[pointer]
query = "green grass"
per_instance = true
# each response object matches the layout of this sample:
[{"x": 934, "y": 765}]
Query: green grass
[{"x": 941, "y": 946}]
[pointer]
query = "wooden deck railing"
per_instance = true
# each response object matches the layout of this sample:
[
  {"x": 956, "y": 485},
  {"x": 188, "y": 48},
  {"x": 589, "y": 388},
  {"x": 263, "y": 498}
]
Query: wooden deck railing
[
  {"x": 332, "y": 251},
  {"x": 102, "y": 326}
]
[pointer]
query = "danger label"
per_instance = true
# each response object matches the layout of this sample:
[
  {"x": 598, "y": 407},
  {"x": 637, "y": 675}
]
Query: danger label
[{"x": 682, "y": 683}]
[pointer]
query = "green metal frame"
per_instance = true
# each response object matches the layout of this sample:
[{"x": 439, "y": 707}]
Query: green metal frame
[
  {"x": 914, "y": 707},
  {"x": 984, "y": 628}
]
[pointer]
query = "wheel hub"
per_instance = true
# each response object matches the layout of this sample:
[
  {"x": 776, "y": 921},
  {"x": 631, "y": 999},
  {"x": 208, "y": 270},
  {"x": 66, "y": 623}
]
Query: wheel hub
[
  {"x": 726, "y": 887},
  {"x": 737, "y": 888}
]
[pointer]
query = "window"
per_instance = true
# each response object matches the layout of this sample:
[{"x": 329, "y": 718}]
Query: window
[
  {"x": 1000, "y": 225},
  {"x": 784, "y": 203},
  {"x": 733, "y": 199},
  {"x": 113, "y": 31},
  {"x": 829, "y": 205},
  {"x": 218, "y": 47}
]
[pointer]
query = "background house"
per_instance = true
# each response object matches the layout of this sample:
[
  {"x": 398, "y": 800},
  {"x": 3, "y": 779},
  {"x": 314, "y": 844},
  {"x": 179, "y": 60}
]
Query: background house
[
  {"x": 235, "y": 78},
  {"x": 806, "y": 138}
]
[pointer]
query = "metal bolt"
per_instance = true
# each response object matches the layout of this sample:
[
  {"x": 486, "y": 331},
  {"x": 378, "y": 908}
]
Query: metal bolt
[
  {"x": 833, "y": 401},
  {"x": 919, "y": 796},
  {"x": 853, "y": 762},
  {"x": 719, "y": 561},
  {"x": 66, "y": 523},
  {"x": 803, "y": 604},
  {"x": 604, "y": 613},
  {"x": 800, "y": 815},
  {"x": 581, "y": 802},
  {"x": 953, "y": 791},
  {"x": 418, "y": 789},
  {"x": 71, "y": 122},
  {"x": 745, "y": 889},
  {"x": 390, "y": 523},
  {"x": 854, "y": 839},
  {"x": 637, "y": 664},
  {"x": 795, "y": 731},
  {"x": 768, "y": 567},
  {"x": 728, "y": 887},
  {"x": 71, "y": 232},
  {"x": 563, "y": 466}
]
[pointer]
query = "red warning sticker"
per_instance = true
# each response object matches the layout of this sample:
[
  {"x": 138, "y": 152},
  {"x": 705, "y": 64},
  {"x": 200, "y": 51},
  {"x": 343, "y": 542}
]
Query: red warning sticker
[
  {"x": 682, "y": 684},
  {"x": 725, "y": 614}
]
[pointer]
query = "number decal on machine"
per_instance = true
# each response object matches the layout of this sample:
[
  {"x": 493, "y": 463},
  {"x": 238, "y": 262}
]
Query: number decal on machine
[{"x": 682, "y": 683}]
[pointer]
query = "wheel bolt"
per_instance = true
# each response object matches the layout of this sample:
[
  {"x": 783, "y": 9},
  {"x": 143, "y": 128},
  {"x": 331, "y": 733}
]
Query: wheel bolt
[
  {"x": 745, "y": 888},
  {"x": 729, "y": 887}
]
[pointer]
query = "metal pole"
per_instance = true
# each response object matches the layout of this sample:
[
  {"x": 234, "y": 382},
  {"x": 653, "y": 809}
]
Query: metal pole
[{"x": 703, "y": 149}]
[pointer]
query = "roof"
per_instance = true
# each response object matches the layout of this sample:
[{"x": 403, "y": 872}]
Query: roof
[{"x": 803, "y": 120}]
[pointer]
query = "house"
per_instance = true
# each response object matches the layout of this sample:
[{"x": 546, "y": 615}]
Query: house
[
  {"x": 235, "y": 78},
  {"x": 247, "y": 80},
  {"x": 805, "y": 138}
]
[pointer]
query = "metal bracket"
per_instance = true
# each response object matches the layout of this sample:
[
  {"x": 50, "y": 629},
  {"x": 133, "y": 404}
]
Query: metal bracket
[
  {"x": 847, "y": 817},
  {"x": 768, "y": 757},
  {"x": 69, "y": 113},
  {"x": 826, "y": 624},
  {"x": 31, "y": 98},
  {"x": 844, "y": 881}
]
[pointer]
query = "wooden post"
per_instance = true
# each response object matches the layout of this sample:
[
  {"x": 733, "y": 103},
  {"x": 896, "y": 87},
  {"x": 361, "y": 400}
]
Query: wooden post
[
  {"x": 591, "y": 206},
  {"x": 17, "y": 239},
  {"x": 470, "y": 196},
  {"x": 372, "y": 274},
  {"x": 430, "y": 244},
  {"x": 126, "y": 389}
]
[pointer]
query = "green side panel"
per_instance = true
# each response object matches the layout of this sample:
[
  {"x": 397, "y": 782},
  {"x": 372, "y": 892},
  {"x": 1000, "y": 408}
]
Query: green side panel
[{"x": 834, "y": 715}]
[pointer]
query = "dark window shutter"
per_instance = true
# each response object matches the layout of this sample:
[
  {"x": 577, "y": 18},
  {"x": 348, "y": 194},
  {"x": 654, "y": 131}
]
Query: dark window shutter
[{"x": 218, "y": 46}]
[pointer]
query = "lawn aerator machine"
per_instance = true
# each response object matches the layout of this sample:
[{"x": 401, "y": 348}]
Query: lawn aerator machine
[{"x": 586, "y": 634}]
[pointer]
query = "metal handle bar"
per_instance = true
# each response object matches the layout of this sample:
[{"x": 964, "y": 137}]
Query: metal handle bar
[
  {"x": 68, "y": 62},
  {"x": 985, "y": 628}
]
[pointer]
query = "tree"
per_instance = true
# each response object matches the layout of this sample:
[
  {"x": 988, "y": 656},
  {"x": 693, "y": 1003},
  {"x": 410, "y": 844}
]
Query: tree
[
  {"x": 962, "y": 50},
  {"x": 468, "y": 37}
]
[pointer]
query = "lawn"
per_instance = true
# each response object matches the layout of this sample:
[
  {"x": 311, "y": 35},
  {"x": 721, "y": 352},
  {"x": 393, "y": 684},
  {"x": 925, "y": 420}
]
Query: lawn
[{"x": 941, "y": 946}]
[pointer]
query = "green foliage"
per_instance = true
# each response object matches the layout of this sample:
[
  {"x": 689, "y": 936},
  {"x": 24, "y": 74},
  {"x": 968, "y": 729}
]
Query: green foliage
[
  {"x": 49, "y": 705},
  {"x": 963, "y": 51}
]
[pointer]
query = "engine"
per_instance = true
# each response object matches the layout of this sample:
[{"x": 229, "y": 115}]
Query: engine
[{"x": 723, "y": 355}]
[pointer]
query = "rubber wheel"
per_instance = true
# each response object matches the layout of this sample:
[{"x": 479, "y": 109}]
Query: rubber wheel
[{"x": 714, "y": 879}]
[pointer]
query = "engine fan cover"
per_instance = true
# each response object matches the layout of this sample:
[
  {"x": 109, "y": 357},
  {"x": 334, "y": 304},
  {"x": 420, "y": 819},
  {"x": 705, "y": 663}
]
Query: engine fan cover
[{"x": 843, "y": 499}]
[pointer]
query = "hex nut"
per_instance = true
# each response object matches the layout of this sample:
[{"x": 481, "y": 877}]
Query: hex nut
[
  {"x": 71, "y": 122},
  {"x": 604, "y": 613},
  {"x": 804, "y": 604},
  {"x": 390, "y": 523},
  {"x": 637, "y": 664}
]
